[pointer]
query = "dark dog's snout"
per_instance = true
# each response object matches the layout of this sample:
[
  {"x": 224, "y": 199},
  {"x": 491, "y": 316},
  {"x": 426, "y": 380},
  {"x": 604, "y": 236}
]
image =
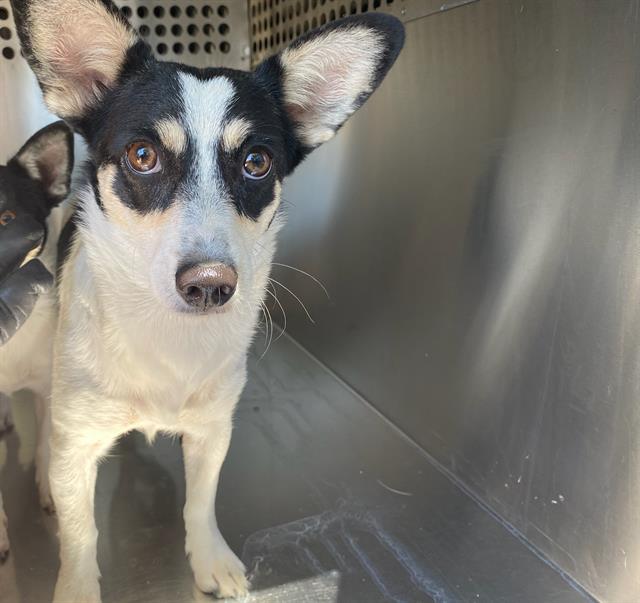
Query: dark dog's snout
[{"x": 206, "y": 286}]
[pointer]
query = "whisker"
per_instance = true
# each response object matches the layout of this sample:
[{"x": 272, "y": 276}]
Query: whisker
[
  {"x": 284, "y": 314},
  {"x": 271, "y": 337},
  {"x": 273, "y": 280},
  {"x": 313, "y": 278}
]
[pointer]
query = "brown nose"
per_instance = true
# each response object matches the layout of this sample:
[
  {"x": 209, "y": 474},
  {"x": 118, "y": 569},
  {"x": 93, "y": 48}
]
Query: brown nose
[{"x": 206, "y": 286}]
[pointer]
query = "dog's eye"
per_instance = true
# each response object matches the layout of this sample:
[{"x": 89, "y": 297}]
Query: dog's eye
[
  {"x": 257, "y": 164},
  {"x": 142, "y": 158},
  {"x": 6, "y": 216}
]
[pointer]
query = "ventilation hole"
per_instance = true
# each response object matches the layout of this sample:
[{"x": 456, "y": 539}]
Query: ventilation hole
[
  {"x": 364, "y": 7},
  {"x": 253, "y": 12},
  {"x": 354, "y": 8},
  {"x": 176, "y": 30},
  {"x": 389, "y": 1},
  {"x": 208, "y": 29},
  {"x": 314, "y": 3},
  {"x": 376, "y": 4},
  {"x": 259, "y": 26},
  {"x": 278, "y": 39},
  {"x": 260, "y": 45},
  {"x": 314, "y": 23},
  {"x": 4, "y": 14},
  {"x": 192, "y": 30},
  {"x": 298, "y": 9},
  {"x": 271, "y": 40},
  {"x": 162, "y": 48},
  {"x": 161, "y": 30},
  {"x": 223, "y": 29},
  {"x": 332, "y": 15},
  {"x": 223, "y": 11},
  {"x": 291, "y": 11},
  {"x": 271, "y": 21},
  {"x": 5, "y": 33},
  {"x": 255, "y": 47},
  {"x": 209, "y": 47},
  {"x": 306, "y": 6},
  {"x": 158, "y": 12},
  {"x": 8, "y": 53},
  {"x": 175, "y": 11},
  {"x": 207, "y": 11},
  {"x": 298, "y": 30},
  {"x": 323, "y": 19},
  {"x": 254, "y": 29},
  {"x": 277, "y": 18},
  {"x": 306, "y": 26},
  {"x": 178, "y": 48},
  {"x": 144, "y": 31},
  {"x": 191, "y": 11},
  {"x": 143, "y": 12},
  {"x": 194, "y": 47},
  {"x": 291, "y": 33},
  {"x": 225, "y": 47},
  {"x": 343, "y": 12},
  {"x": 126, "y": 12}
]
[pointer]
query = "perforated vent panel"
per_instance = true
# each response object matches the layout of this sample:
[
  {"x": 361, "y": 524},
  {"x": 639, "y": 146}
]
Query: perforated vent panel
[
  {"x": 202, "y": 33},
  {"x": 9, "y": 44},
  {"x": 276, "y": 23}
]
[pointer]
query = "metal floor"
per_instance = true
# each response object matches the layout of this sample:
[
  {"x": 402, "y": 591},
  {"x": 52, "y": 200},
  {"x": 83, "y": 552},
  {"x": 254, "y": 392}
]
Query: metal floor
[{"x": 323, "y": 499}]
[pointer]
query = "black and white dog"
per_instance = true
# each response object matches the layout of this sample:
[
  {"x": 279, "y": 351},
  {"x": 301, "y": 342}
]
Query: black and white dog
[
  {"x": 32, "y": 184},
  {"x": 161, "y": 291}
]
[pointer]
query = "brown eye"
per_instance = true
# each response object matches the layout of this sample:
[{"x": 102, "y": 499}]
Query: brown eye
[
  {"x": 6, "y": 216},
  {"x": 257, "y": 164},
  {"x": 143, "y": 158}
]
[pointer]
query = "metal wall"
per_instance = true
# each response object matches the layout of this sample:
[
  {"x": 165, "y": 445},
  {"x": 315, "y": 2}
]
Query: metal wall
[{"x": 477, "y": 226}]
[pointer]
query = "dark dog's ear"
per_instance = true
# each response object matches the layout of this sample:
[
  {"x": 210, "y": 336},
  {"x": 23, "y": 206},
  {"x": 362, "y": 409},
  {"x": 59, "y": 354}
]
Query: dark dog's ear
[
  {"x": 324, "y": 76},
  {"x": 77, "y": 49},
  {"x": 48, "y": 158}
]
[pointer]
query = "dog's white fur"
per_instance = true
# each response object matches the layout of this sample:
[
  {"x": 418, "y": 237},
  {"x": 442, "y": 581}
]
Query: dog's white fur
[
  {"x": 127, "y": 357},
  {"x": 25, "y": 363}
]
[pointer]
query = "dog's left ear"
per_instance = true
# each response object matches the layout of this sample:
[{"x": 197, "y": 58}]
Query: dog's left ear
[
  {"x": 48, "y": 158},
  {"x": 77, "y": 49},
  {"x": 325, "y": 75}
]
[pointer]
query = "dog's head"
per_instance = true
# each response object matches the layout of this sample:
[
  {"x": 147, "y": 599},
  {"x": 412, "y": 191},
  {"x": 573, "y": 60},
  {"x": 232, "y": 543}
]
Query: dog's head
[
  {"x": 35, "y": 180},
  {"x": 187, "y": 164}
]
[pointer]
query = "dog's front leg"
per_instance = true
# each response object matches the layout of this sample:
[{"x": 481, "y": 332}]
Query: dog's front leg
[
  {"x": 75, "y": 452},
  {"x": 215, "y": 567}
]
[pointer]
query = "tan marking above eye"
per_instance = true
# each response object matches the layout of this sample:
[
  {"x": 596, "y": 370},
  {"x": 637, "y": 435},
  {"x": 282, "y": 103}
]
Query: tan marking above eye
[
  {"x": 7, "y": 216},
  {"x": 235, "y": 133},
  {"x": 172, "y": 135},
  {"x": 142, "y": 157}
]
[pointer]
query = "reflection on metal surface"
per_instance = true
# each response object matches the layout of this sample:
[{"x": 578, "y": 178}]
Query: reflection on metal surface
[
  {"x": 477, "y": 226},
  {"x": 300, "y": 496}
]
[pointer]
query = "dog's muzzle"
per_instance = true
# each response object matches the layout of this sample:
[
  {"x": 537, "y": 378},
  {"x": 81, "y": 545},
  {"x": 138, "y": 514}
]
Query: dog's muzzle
[{"x": 206, "y": 286}]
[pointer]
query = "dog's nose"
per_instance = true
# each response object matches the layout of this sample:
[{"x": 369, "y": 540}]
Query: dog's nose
[{"x": 206, "y": 286}]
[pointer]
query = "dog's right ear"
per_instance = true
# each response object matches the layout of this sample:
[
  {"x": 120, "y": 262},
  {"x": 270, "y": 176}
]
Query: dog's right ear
[{"x": 77, "y": 49}]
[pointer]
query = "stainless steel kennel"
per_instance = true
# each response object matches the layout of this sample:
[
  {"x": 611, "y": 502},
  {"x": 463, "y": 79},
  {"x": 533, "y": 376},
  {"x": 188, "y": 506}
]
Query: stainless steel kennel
[{"x": 460, "y": 421}]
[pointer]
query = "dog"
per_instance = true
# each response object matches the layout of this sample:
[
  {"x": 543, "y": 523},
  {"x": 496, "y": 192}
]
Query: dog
[
  {"x": 34, "y": 182},
  {"x": 161, "y": 290}
]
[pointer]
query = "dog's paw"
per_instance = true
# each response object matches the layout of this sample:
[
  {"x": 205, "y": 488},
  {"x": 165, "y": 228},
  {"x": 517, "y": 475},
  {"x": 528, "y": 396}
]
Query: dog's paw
[
  {"x": 4, "y": 538},
  {"x": 218, "y": 571},
  {"x": 79, "y": 590}
]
